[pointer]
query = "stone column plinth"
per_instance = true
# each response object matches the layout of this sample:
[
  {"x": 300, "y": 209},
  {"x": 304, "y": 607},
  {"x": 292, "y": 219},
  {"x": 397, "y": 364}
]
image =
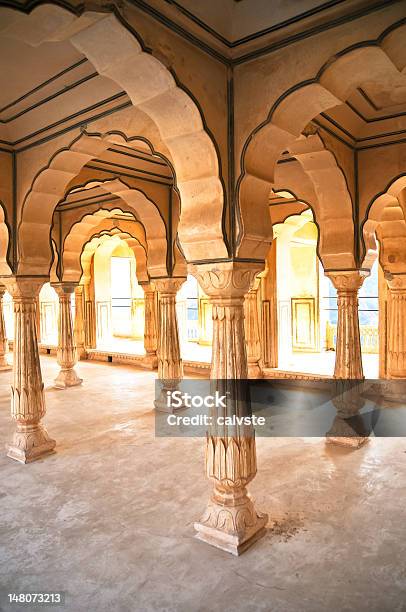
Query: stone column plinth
[
  {"x": 348, "y": 428},
  {"x": 150, "y": 326},
  {"x": 4, "y": 364},
  {"x": 252, "y": 331},
  {"x": 170, "y": 367},
  {"x": 31, "y": 440},
  {"x": 66, "y": 353},
  {"x": 79, "y": 324},
  {"x": 396, "y": 325},
  {"x": 348, "y": 349},
  {"x": 231, "y": 521}
]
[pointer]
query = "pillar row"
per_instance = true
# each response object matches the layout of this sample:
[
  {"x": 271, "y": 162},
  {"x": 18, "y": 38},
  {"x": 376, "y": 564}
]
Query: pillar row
[
  {"x": 348, "y": 362},
  {"x": 30, "y": 440},
  {"x": 67, "y": 352},
  {"x": 231, "y": 521}
]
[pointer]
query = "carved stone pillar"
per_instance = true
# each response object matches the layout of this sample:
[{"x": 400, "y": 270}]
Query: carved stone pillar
[
  {"x": 231, "y": 521},
  {"x": 90, "y": 316},
  {"x": 79, "y": 324},
  {"x": 252, "y": 331},
  {"x": 67, "y": 353},
  {"x": 150, "y": 326},
  {"x": 4, "y": 365},
  {"x": 396, "y": 341},
  {"x": 170, "y": 367},
  {"x": 30, "y": 440},
  {"x": 348, "y": 349}
]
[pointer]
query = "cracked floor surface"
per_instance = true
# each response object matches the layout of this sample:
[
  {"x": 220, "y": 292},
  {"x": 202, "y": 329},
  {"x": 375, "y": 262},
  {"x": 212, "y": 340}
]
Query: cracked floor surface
[{"x": 109, "y": 518}]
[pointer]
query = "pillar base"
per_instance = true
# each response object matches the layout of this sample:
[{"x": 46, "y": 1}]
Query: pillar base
[
  {"x": 161, "y": 403},
  {"x": 82, "y": 354},
  {"x": 392, "y": 391},
  {"x": 66, "y": 379},
  {"x": 150, "y": 361},
  {"x": 30, "y": 442},
  {"x": 254, "y": 370},
  {"x": 343, "y": 434},
  {"x": 231, "y": 528}
]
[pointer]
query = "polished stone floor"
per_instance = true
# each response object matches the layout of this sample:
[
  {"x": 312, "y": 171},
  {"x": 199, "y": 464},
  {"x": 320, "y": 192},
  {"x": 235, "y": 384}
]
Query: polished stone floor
[{"x": 109, "y": 518}]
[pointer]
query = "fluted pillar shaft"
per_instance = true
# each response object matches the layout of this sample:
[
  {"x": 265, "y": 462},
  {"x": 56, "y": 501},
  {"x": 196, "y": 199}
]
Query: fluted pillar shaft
[
  {"x": 252, "y": 331},
  {"x": 90, "y": 316},
  {"x": 230, "y": 521},
  {"x": 150, "y": 325},
  {"x": 30, "y": 440},
  {"x": 67, "y": 352},
  {"x": 170, "y": 367},
  {"x": 348, "y": 362},
  {"x": 4, "y": 365},
  {"x": 397, "y": 326},
  {"x": 79, "y": 323}
]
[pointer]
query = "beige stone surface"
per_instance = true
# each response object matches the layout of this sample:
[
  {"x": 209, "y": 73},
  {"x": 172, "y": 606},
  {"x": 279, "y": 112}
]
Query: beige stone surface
[{"x": 109, "y": 518}]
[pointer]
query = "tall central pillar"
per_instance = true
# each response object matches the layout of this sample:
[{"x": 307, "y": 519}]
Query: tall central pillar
[
  {"x": 4, "y": 365},
  {"x": 67, "y": 353},
  {"x": 170, "y": 367},
  {"x": 348, "y": 363},
  {"x": 150, "y": 326},
  {"x": 30, "y": 440},
  {"x": 231, "y": 521}
]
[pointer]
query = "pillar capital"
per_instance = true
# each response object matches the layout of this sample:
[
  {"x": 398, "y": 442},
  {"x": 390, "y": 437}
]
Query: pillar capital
[
  {"x": 64, "y": 288},
  {"x": 227, "y": 280},
  {"x": 24, "y": 287},
  {"x": 347, "y": 280},
  {"x": 148, "y": 287},
  {"x": 396, "y": 282},
  {"x": 169, "y": 285}
]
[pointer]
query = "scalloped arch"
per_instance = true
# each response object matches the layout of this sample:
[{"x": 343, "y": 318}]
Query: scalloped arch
[
  {"x": 104, "y": 236},
  {"x": 93, "y": 224},
  {"x": 291, "y": 113},
  {"x": 386, "y": 219},
  {"x": 117, "y": 53}
]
